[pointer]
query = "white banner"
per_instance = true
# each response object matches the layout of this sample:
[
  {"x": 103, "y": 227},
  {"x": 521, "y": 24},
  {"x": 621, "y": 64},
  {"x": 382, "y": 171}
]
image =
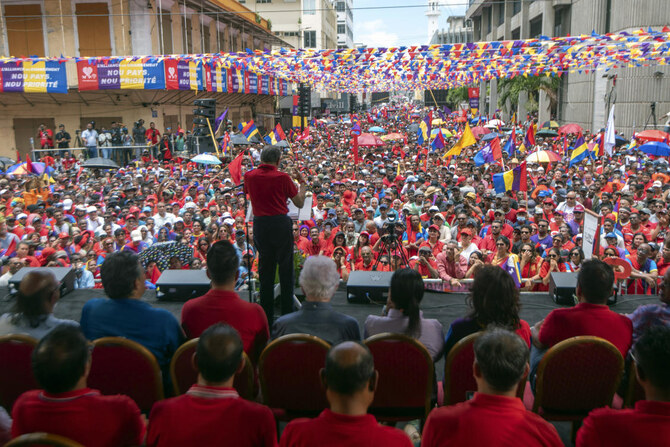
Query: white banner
[{"x": 589, "y": 235}]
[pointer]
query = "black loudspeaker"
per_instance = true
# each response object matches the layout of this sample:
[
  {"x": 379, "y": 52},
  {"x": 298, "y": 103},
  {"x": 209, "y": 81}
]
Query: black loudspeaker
[
  {"x": 368, "y": 287},
  {"x": 182, "y": 285},
  {"x": 562, "y": 288},
  {"x": 64, "y": 275}
]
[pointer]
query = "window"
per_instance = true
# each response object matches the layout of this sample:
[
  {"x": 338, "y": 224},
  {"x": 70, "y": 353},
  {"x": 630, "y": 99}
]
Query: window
[
  {"x": 310, "y": 39},
  {"x": 488, "y": 20},
  {"x": 535, "y": 27},
  {"x": 340, "y": 6},
  {"x": 501, "y": 12},
  {"x": 93, "y": 29},
  {"x": 263, "y": 1},
  {"x": 516, "y": 7},
  {"x": 24, "y": 30},
  {"x": 516, "y": 34},
  {"x": 187, "y": 36},
  {"x": 341, "y": 29},
  {"x": 309, "y": 7},
  {"x": 166, "y": 29},
  {"x": 205, "y": 39}
]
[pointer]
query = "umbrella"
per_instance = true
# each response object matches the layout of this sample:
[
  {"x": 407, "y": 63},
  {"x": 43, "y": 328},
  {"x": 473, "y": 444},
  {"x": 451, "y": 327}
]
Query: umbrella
[
  {"x": 652, "y": 135},
  {"x": 475, "y": 121},
  {"x": 414, "y": 127},
  {"x": 620, "y": 141},
  {"x": 376, "y": 129},
  {"x": 445, "y": 133},
  {"x": 240, "y": 140},
  {"x": 549, "y": 125},
  {"x": 22, "y": 169},
  {"x": 6, "y": 161},
  {"x": 100, "y": 162},
  {"x": 570, "y": 128},
  {"x": 437, "y": 122},
  {"x": 282, "y": 143},
  {"x": 479, "y": 131},
  {"x": 491, "y": 136},
  {"x": 543, "y": 157},
  {"x": 546, "y": 133},
  {"x": 367, "y": 139},
  {"x": 161, "y": 252},
  {"x": 495, "y": 123},
  {"x": 656, "y": 148},
  {"x": 206, "y": 159},
  {"x": 392, "y": 137}
]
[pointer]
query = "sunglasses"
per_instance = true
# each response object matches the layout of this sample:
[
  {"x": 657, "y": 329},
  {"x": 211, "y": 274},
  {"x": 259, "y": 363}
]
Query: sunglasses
[
  {"x": 525, "y": 250},
  {"x": 553, "y": 256},
  {"x": 500, "y": 245}
]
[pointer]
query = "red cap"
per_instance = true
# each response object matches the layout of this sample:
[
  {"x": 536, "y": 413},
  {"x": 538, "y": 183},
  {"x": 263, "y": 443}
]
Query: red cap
[
  {"x": 521, "y": 210},
  {"x": 63, "y": 236},
  {"x": 433, "y": 227},
  {"x": 578, "y": 208},
  {"x": 466, "y": 231},
  {"x": 134, "y": 209}
]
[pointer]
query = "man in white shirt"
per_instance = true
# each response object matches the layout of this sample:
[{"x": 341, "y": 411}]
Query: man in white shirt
[
  {"x": 90, "y": 137},
  {"x": 93, "y": 221},
  {"x": 162, "y": 217},
  {"x": 14, "y": 265}
]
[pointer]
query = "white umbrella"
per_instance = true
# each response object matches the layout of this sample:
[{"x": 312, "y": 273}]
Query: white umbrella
[
  {"x": 494, "y": 123},
  {"x": 206, "y": 159}
]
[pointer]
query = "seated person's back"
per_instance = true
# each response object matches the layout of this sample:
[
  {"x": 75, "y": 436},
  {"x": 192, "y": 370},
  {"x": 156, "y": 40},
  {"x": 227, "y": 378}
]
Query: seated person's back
[
  {"x": 222, "y": 304},
  {"x": 124, "y": 314},
  {"x": 319, "y": 280},
  {"x": 65, "y": 406},
  {"x": 211, "y": 412}
]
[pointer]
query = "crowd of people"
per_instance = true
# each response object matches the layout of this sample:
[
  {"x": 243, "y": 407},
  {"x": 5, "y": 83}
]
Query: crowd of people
[{"x": 399, "y": 206}]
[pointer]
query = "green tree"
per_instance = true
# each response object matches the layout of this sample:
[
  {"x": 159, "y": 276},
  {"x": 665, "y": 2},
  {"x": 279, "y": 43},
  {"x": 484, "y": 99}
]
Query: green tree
[
  {"x": 455, "y": 96},
  {"x": 509, "y": 89}
]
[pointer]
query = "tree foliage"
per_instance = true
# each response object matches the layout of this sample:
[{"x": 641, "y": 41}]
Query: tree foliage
[{"x": 510, "y": 88}]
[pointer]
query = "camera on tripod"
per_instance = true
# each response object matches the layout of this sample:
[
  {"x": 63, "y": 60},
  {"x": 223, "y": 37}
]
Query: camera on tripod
[{"x": 388, "y": 233}]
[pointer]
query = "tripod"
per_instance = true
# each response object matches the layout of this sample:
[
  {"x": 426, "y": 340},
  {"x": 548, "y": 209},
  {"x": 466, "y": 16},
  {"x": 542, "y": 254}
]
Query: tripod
[
  {"x": 390, "y": 245},
  {"x": 652, "y": 114}
]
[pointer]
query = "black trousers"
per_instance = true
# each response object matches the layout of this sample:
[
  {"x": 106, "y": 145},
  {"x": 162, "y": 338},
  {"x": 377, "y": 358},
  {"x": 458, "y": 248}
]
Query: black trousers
[{"x": 273, "y": 237}]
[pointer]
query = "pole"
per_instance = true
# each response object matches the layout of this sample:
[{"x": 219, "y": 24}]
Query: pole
[
  {"x": 211, "y": 134},
  {"x": 301, "y": 91},
  {"x": 431, "y": 94}
]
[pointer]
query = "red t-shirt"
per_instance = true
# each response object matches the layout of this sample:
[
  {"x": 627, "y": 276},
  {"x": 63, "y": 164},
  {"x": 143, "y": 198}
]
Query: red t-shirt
[
  {"x": 333, "y": 429},
  {"x": 84, "y": 416},
  {"x": 269, "y": 189},
  {"x": 587, "y": 319},
  {"x": 361, "y": 266},
  {"x": 210, "y": 416},
  {"x": 220, "y": 306},
  {"x": 648, "y": 425},
  {"x": 487, "y": 420}
]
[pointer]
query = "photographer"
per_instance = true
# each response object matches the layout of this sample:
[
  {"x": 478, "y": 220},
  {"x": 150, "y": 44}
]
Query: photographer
[
  {"x": 425, "y": 263},
  {"x": 83, "y": 278}
]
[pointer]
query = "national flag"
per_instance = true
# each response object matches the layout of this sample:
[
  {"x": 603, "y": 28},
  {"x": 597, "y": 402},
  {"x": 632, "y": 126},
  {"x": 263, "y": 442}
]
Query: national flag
[
  {"x": 580, "y": 152},
  {"x": 512, "y": 267},
  {"x": 304, "y": 136},
  {"x": 510, "y": 146},
  {"x": 489, "y": 154},
  {"x": 466, "y": 139},
  {"x": 275, "y": 136},
  {"x": 513, "y": 180},
  {"x": 356, "y": 127},
  {"x": 248, "y": 129},
  {"x": 29, "y": 164},
  {"x": 495, "y": 148},
  {"x": 528, "y": 139},
  {"x": 218, "y": 122},
  {"x": 438, "y": 142},
  {"x": 279, "y": 132},
  {"x": 235, "y": 168},
  {"x": 609, "y": 142},
  {"x": 633, "y": 142},
  {"x": 11, "y": 249},
  {"x": 224, "y": 143},
  {"x": 424, "y": 130}
]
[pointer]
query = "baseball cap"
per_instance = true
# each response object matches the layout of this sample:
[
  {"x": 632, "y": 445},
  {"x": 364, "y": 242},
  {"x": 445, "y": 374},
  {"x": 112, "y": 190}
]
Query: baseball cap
[
  {"x": 610, "y": 234},
  {"x": 434, "y": 227},
  {"x": 578, "y": 209},
  {"x": 136, "y": 235}
]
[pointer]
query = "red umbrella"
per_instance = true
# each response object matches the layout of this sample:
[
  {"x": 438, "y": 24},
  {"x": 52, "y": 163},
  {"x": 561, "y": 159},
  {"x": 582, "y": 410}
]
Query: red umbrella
[
  {"x": 479, "y": 131},
  {"x": 570, "y": 128},
  {"x": 367, "y": 139},
  {"x": 652, "y": 135}
]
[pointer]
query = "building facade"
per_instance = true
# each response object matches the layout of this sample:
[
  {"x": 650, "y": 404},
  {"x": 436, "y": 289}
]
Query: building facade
[
  {"x": 345, "y": 23},
  {"x": 582, "y": 98},
  {"x": 83, "y": 28},
  {"x": 458, "y": 31}
]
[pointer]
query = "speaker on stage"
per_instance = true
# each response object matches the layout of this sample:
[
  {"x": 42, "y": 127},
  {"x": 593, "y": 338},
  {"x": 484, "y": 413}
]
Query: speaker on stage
[
  {"x": 368, "y": 287},
  {"x": 64, "y": 275},
  {"x": 562, "y": 286},
  {"x": 182, "y": 285}
]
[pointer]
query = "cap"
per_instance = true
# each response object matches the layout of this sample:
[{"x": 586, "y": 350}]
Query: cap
[
  {"x": 578, "y": 209},
  {"x": 610, "y": 235},
  {"x": 370, "y": 209},
  {"x": 433, "y": 208},
  {"x": 383, "y": 205},
  {"x": 356, "y": 210},
  {"x": 434, "y": 227},
  {"x": 136, "y": 235},
  {"x": 425, "y": 248},
  {"x": 91, "y": 209},
  {"x": 657, "y": 184},
  {"x": 67, "y": 204},
  {"x": 22, "y": 216},
  {"x": 63, "y": 236},
  {"x": 466, "y": 231},
  {"x": 471, "y": 195},
  {"x": 645, "y": 211},
  {"x": 521, "y": 210},
  {"x": 36, "y": 218}
]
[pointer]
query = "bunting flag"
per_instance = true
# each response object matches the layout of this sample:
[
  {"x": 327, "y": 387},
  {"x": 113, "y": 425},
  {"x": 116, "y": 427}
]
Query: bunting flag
[
  {"x": 424, "y": 130},
  {"x": 466, "y": 139},
  {"x": 248, "y": 129},
  {"x": 513, "y": 180},
  {"x": 33, "y": 76},
  {"x": 528, "y": 139},
  {"x": 580, "y": 152}
]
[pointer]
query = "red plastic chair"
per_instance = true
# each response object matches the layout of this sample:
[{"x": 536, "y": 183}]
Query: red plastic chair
[
  {"x": 576, "y": 376},
  {"x": 184, "y": 374},
  {"x": 406, "y": 377},
  {"x": 41, "y": 439},
  {"x": 122, "y": 366},
  {"x": 288, "y": 370},
  {"x": 16, "y": 373},
  {"x": 459, "y": 380}
]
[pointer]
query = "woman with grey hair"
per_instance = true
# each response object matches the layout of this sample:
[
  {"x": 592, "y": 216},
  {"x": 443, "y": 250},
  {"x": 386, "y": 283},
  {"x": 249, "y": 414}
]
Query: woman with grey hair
[{"x": 319, "y": 281}]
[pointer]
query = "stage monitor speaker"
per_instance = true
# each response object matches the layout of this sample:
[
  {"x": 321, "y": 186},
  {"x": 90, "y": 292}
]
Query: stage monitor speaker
[
  {"x": 182, "y": 285},
  {"x": 64, "y": 275},
  {"x": 368, "y": 287},
  {"x": 562, "y": 286}
]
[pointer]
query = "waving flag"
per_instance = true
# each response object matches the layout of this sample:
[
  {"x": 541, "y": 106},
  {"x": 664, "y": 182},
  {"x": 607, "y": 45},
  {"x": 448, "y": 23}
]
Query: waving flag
[
  {"x": 529, "y": 139},
  {"x": 512, "y": 180},
  {"x": 235, "y": 168},
  {"x": 248, "y": 129},
  {"x": 218, "y": 122},
  {"x": 510, "y": 147},
  {"x": 580, "y": 152},
  {"x": 489, "y": 154},
  {"x": 356, "y": 127},
  {"x": 424, "y": 130},
  {"x": 609, "y": 142},
  {"x": 438, "y": 142},
  {"x": 466, "y": 139},
  {"x": 276, "y": 135},
  {"x": 512, "y": 267}
]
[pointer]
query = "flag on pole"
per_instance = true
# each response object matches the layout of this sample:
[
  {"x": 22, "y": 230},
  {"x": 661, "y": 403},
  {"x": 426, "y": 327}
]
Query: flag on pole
[
  {"x": 424, "y": 130},
  {"x": 513, "y": 180},
  {"x": 438, "y": 142},
  {"x": 580, "y": 152},
  {"x": 466, "y": 139},
  {"x": 489, "y": 154},
  {"x": 528, "y": 139},
  {"x": 235, "y": 168},
  {"x": 248, "y": 129},
  {"x": 218, "y": 122},
  {"x": 610, "y": 136},
  {"x": 224, "y": 143}
]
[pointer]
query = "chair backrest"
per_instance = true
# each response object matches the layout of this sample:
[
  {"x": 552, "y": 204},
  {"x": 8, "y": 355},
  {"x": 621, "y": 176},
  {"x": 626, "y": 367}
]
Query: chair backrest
[
  {"x": 16, "y": 373},
  {"x": 288, "y": 370},
  {"x": 577, "y": 375},
  {"x": 40, "y": 439},
  {"x": 184, "y": 374},
  {"x": 406, "y": 377},
  {"x": 122, "y": 366},
  {"x": 459, "y": 382}
]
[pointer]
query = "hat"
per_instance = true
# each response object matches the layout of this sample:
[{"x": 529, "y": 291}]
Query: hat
[
  {"x": 36, "y": 218},
  {"x": 433, "y": 208},
  {"x": 425, "y": 248},
  {"x": 439, "y": 215},
  {"x": 92, "y": 209},
  {"x": 556, "y": 236},
  {"x": 579, "y": 236},
  {"x": 383, "y": 205},
  {"x": 645, "y": 211},
  {"x": 578, "y": 209},
  {"x": 410, "y": 179},
  {"x": 418, "y": 192},
  {"x": 610, "y": 235},
  {"x": 434, "y": 227},
  {"x": 657, "y": 184},
  {"x": 67, "y": 204},
  {"x": 466, "y": 231},
  {"x": 63, "y": 236},
  {"x": 356, "y": 210},
  {"x": 514, "y": 160},
  {"x": 521, "y": 210},
  {"x": 370, "y": 209},
  {"x": 471, "y": 195},
  {"x": 22, "y": 216},
  {"x": 229, "y": 221},
  {"x": 136, "y": 235},
  {"x": 548, "y": 200}
]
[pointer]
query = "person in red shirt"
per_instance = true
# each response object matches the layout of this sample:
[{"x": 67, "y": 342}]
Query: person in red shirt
[
  {"x": 433, "y": 243},
  {"x": 350, "y": 380},
  {"x": 314, "y": 246},
  {"x": 648, "y": 424},
  {"x": 366, "y": 262},
  {"x": 152, "y": 134},
  {"x": 269, "y": 189},
  {"x": 425, "y": 264},
  {"x": 222, "y": 304},
  {"x": 211, "y": 412},
  {"x": 501, "y": 361},
  {"x": 66, "y": 406},
  {"x": 590, "y": 317}
]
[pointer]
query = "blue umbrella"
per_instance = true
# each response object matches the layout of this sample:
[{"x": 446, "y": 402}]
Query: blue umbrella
[
  {"x": 376, "y": 129},
  {"x": 490, "y": 136},
  {"x": 474, "y": 121},
  {"x": 206, "y": 159},
  {"x": 656, "y": 148}
]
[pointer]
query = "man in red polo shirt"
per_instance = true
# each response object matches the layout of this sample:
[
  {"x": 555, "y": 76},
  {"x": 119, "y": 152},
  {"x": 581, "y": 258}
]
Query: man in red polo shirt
[
  {"x": 350, "y": 380},
  {"x": 501, "y": 361},
  {"x": 211, "y": 412},
  {"x": 590, "y": 317},
  {"x": 222, "y": 304},
  {"x": 65, "y": 406},
  {"x": 648, "y": 424},
  {"x": 367, "y": 261},
  {"x": 269, "y": 189}
]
